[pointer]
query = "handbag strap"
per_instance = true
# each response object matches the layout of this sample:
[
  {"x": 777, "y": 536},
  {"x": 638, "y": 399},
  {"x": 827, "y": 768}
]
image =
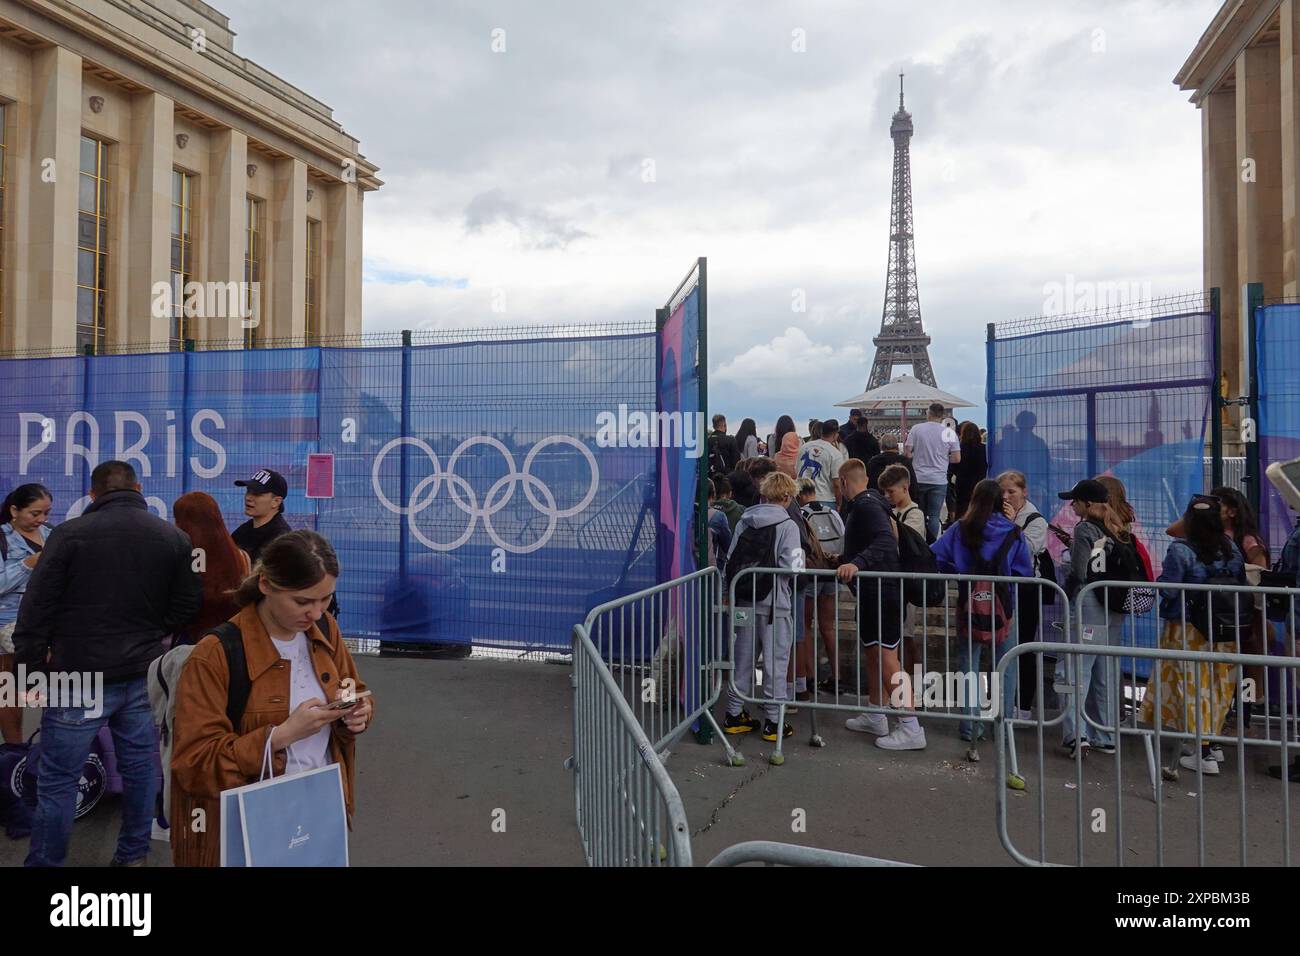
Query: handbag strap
[{"x": 268, "y": 762}]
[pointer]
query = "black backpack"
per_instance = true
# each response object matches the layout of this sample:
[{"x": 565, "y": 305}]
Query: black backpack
[
  {"x": 915, "y": 557},
  {"x": 1278, "y": 606},
  {"x": 232, "y": 642},
  {"x": 717, "y": 463},
  {"x": 1227, "y": 618},
  {"x": 1122, "y": 564},
  {"x": 1044, "y": 567},
  {"x": 756, "y": 548}
]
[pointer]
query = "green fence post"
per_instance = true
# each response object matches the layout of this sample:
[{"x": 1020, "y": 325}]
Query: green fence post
[
  {"x": 1254, "y": 300},
  {"x": 703, "y": 730}
]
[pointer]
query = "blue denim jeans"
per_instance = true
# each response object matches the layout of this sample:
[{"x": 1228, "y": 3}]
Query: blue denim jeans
[
  {"x": 931, "y": 499},
  {"x": 1092, "y": 678},
  {"x": 969, "y": 657},
  {"x": 65, "y": 741}
]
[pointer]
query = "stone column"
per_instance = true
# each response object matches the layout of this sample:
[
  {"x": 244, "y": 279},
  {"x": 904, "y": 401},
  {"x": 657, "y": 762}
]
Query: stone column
[
  {"x": 342, "y": 306},
  {"x": 1290, "y": 96},
  {"x": 1259, "y": 138},
  {"x": 149, "y": 244},
  {"x": 50, "y": 309},
  {"x": 288, "y": 213},
  {"x": 226, "y": 206},
  {"x": 1220, "y": 176}
]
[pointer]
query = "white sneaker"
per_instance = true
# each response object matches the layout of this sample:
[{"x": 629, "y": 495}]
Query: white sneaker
[
  {"x": 160, "y": 834},
  {"x": 903, "y": 738},
  {"x": 877, "y": 724},
  {"x": 1208, "y": 767},
  {"x": 1216, "y": 753}
]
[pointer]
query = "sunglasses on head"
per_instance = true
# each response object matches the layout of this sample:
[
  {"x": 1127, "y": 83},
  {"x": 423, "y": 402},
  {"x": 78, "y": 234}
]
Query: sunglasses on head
[{"x": 1203, "y": 503}]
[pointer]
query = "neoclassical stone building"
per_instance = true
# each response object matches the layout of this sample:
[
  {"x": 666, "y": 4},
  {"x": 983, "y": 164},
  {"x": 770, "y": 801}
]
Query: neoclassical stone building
[
  {"x": 1244, "y": 76},
  {"x": 140, "y": 153}
]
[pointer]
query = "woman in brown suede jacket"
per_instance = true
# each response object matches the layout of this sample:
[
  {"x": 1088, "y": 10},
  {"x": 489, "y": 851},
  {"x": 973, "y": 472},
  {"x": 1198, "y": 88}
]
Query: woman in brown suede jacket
[{"x": 294, "y": 669}]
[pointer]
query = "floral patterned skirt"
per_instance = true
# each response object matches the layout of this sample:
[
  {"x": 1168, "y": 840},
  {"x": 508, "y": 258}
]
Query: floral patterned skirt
[{"x": 1187, "y": 687}]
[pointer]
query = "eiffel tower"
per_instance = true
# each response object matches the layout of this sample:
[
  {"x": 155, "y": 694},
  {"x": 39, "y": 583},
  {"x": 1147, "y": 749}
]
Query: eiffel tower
[{"x": 902, "y": 339}]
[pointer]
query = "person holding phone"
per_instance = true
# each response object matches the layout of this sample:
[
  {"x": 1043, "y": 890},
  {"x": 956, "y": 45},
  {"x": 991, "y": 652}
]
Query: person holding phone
[
  {"x": 306, "y": 698},
  {"x": 26, "y": 510}
]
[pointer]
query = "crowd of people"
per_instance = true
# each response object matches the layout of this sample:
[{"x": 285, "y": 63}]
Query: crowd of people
[
  {"x": 193, "y": 703},
  {"x": 841, "y": 500}
]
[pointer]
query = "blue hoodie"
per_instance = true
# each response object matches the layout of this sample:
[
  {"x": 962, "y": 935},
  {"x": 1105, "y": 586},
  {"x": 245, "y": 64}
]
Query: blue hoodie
[{"x": 953, "y": 556}]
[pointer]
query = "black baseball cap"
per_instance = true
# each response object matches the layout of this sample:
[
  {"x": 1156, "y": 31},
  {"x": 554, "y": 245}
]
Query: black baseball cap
[
  {"x": 266, "y": 480},
  {"x": 1088, "y": 490}
]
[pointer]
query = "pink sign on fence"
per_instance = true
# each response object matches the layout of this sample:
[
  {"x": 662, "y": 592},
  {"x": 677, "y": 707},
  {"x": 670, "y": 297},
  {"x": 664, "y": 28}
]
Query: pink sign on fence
[{"x": 320, "y": 476}]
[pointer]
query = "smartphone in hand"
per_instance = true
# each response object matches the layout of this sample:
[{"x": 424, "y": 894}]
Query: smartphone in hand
[{"x": 344, "y": 704}]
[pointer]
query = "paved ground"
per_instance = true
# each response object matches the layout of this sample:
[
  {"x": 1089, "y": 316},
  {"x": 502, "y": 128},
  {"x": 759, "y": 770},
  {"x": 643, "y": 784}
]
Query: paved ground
[
  {"x": 935, "y": 808},
  {"x": 452, "y": 742},
  {"x": 455, "y": 741}
]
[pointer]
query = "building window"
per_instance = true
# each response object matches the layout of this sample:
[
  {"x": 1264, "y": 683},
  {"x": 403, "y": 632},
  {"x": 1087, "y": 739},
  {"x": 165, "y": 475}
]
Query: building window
[
  {"x": 92, "y": 245},
  {"x": 313, "y": 281},
  {"x": 255, "y": 237},
  {"x": 182, "y": 255},
  {"x": 3, "y": 158}
]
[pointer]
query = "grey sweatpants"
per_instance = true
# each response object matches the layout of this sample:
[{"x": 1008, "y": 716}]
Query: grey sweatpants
[{"x": 773, "y": 641}]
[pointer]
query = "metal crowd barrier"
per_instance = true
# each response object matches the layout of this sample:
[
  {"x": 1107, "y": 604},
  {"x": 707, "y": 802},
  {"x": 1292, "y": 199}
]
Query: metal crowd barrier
[
  {"x": 664, "y": 650},
  {"x": 968, "y": 692},
  {"x": 1218, "y": 679},
  {"x": 649, "y": 667},
  {"x": 788, "y": 854},
  {"x": 629, "y": 812}
]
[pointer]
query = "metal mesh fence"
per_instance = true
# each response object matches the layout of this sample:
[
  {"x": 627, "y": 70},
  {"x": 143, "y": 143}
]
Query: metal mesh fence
[
  {"x": 1277, "y": 369},
  {"x": 1124, "y": 393},
  {"x": 474, "y": 501}
]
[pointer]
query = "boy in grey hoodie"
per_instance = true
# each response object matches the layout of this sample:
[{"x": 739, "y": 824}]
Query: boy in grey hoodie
[{"x": 770, "y": 629}]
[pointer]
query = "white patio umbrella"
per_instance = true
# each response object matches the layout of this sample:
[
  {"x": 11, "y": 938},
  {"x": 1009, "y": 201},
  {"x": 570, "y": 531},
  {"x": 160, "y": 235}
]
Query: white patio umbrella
[{"x": 904, "y": 390}]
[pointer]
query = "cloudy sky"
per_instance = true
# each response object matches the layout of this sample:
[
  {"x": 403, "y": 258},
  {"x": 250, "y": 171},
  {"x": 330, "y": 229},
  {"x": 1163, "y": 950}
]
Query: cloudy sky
[{"x": 580, "y": 171}]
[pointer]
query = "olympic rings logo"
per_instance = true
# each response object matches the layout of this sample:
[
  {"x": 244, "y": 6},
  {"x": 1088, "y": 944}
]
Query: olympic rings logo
[{"x": 498, "y": 496}]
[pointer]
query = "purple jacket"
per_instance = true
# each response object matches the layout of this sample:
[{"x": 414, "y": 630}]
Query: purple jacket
[{"x": 954, "y": 557}]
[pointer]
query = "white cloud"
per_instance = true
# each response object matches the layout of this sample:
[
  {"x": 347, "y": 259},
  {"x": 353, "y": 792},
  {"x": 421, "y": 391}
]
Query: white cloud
[
  {"x": 791, "y": 360},
  {"x": 1036, "y": 157}
]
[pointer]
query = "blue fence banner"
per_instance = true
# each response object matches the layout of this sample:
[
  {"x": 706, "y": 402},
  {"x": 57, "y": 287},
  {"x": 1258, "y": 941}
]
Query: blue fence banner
[
  {"x": 474, "y": 499},
  {"x": 1090, "y": 396},
  {"x": 1277, "y": 365},
  {"x": 679, "y": 458}
]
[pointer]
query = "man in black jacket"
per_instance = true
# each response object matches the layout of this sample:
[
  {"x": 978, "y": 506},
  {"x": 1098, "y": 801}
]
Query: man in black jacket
[
  {"x": 264, "y": 496},
  {"x": 723, "y": 453},
  {"x": 871, "y": 544},
  {"x": 888, "y": 456},
  {"x": 861, "y": 444},
  {"x": 110, "y": 585}
]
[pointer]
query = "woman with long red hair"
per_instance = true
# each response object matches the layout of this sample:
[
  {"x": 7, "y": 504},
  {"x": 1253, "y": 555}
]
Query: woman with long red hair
[{"x": 224, "y": 566}]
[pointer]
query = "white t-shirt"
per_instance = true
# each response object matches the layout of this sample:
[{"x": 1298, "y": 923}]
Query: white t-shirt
[
  {"x": 929, "y": 445},
  {"x": 310, "y": 752},
  {"x": 820, "y": 461},
  {"x": 915, "y": 518}
]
